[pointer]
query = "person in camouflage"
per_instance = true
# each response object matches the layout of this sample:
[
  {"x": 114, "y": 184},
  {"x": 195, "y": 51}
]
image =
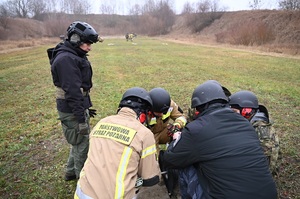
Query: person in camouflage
[
  {"x": 130, "y": 36},
  {"x": 246, "y": 103},
  {"x": 267, "y": 136}
]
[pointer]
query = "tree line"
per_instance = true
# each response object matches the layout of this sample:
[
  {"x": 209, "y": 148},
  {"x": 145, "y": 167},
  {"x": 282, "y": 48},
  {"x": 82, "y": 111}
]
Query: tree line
[
  {"x": 159, "y": 15},
  {"x": 35, "y": 8}
]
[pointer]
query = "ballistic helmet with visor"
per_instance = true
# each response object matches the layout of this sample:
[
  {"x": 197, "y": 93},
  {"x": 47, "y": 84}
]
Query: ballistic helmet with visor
[
  {"x": 208, "y": 91},
  {"x": 243, "y": 99},
  {"x": 161, "y": 100},
  {"x": 261, "y": 115},
  {"x": 226, "y": 91},
  {"x": 81, "y": 32},
  {"x": 264, "y": 110},
  {"x": 136, "y": 97}
]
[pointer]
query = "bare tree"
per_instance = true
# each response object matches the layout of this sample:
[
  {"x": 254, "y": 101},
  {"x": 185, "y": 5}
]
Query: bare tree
[
  {"x": 4, "y": 15},
  {"x": 255, "y": 4},
  {"x": 74, "y": 6},
  {"x": 206, "y": 13},
  {"x": 135, "y": 10},
  {"x": 187, "y": 8},
  {"x": 107, "y": 9},
  {"x": 51, "y": 6},
  {"x": 161, "y": 16},
  {"x": 214, "y": 6},
  {"x": 80, "y": 7},
  {"x": 37, "y": 7},
  {"x": 55, "y": 6},
  {"x": 289, "y": 4},
  {"x": 19, "y": 8},
  {"x": 203, "y": 6},
  {"x": 166, "y": 14},
  {"x": 66, "y": 6},
  {"x": 149, "y": 7}
]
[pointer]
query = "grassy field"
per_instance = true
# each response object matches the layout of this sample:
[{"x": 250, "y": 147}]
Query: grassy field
[{"x": 32, "y": 148}]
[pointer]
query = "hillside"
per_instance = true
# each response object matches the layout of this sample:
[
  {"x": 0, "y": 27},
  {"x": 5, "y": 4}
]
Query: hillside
[
  {"x": 273, "y": 30},
  {"x": 284, "y": 26}
]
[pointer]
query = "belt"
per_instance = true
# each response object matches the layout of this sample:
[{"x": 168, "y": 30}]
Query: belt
[{"x": 60, "y": 93}]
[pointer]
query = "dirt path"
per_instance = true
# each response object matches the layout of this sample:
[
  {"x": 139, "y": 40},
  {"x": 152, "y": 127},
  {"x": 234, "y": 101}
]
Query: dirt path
[{"x": 158, "y": 191}]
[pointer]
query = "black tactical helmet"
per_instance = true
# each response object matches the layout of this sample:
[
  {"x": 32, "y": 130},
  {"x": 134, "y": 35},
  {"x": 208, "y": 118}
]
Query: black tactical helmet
[
  {"x": 136, "y": 97},
  {"x": 161, "y": 100},
  {"x": 81, "y": 32},
  {"x": 261, "y": 115},
  {"x": 263, "y": 109},
  {"x": 207, "y": 92},
  {"x": 226, "y": 91},
  {"x": 243, "y": 99}
]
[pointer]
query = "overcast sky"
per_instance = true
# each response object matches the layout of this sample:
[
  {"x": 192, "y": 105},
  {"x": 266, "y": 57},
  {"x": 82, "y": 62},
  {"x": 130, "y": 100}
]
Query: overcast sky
[{"x": 230, "y": 5}]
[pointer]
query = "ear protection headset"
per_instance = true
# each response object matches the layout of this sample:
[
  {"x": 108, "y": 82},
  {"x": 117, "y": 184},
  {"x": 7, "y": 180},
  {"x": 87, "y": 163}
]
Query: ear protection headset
[
  {"x": 247, "y": 112},
  {"x": 142, "y": 117},
  {"x": 75, "y": 39},
  {"x": 140, "y": 110}
]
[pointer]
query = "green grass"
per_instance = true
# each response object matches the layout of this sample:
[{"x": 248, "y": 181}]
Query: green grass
[{"x": 33, "y": 151}]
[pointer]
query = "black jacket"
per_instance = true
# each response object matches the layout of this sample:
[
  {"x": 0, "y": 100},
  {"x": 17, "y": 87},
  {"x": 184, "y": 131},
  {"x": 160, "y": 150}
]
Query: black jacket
[
  {"x": 227, "y": 154},
  {"x": 71, "y": 71}
]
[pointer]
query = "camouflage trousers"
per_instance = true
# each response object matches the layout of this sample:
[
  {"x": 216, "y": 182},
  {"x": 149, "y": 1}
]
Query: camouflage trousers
[
  {"x": 271, "y": 150},
  {"x": 79, "y": 143}
]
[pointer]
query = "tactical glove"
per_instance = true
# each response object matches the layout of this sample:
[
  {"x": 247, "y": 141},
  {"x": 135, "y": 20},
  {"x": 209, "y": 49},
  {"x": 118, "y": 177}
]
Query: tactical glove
[
  {"x": 173, "y": 128},
  {"x": 92, "y": 112},
  {"x": 83, "y": 129}
]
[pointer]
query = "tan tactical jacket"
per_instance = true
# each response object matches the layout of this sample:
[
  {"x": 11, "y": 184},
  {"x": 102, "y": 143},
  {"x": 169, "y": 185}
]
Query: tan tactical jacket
[
  {"x": 158, "y": 125},
  {"x": 121, "y": 149}
]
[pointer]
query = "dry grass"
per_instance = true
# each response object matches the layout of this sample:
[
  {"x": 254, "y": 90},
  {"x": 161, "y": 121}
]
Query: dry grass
[
  {"x": 33, "y": 151},
  {"x": 7, "y": 46},
  {"x": 282, "y": 25}
]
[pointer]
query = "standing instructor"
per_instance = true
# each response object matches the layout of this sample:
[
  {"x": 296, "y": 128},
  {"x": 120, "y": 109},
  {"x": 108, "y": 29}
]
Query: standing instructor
[{"x": 72, "y": 75}]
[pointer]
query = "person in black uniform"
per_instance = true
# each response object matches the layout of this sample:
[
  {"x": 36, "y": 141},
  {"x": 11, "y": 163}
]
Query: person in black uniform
[
  {"x": 72, "y": 75},
  {"x": 223, "y": 147}
]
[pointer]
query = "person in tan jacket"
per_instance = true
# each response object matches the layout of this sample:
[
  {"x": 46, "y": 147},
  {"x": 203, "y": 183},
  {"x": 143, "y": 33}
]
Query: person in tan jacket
[
  {"x": 164, "y": 112},
  {"x": 122, "y": 150}
]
